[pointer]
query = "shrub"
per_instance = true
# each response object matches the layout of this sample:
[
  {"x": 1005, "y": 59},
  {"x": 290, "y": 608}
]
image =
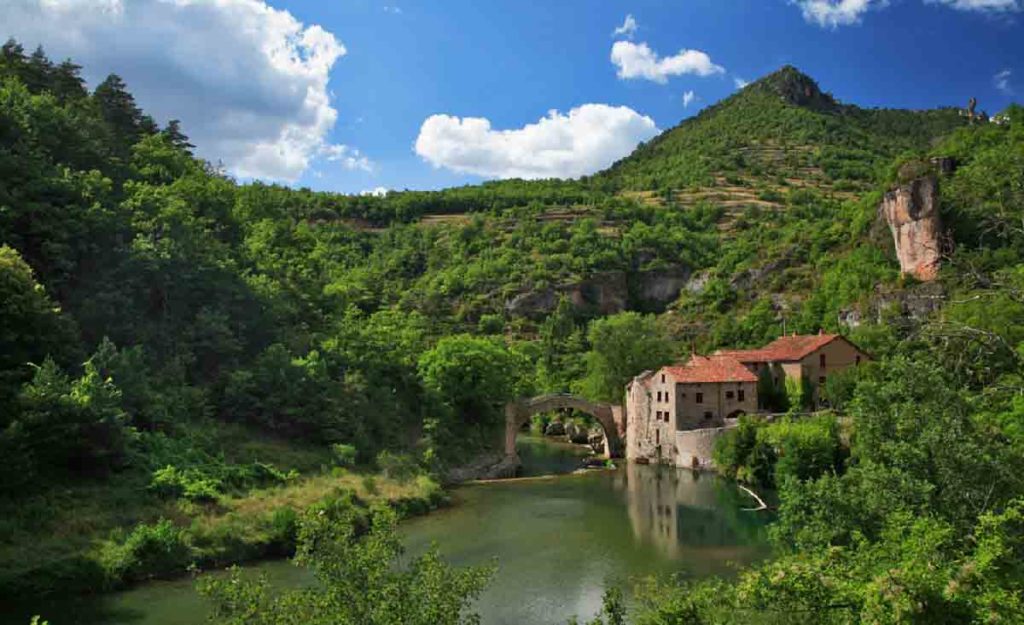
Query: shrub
[
  {"x": 191, "y": 484},
  {"x": 344, "y": 455},
  {"x": 401, "y": 467},
  {"x": 148, "y": 551}
]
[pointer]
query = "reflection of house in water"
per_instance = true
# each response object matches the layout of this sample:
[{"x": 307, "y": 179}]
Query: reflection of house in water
[{"x": 683, "y": 513}]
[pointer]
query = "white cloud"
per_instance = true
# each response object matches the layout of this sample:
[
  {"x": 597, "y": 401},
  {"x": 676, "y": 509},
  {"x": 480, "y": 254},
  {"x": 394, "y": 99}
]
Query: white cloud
[
  {"x": 392, "y": 9},
  {"x": 376, "y": 191},
  {"x": 639, "y": 61},
  {"x": 739, "y": 82},
  {"x": 834, "y": 13},
  {"x": 980, "y": 5},
  {"x": 586, "y": 139},
  {"x": 1002, "y": 81},
  {"x": 628, "y": 28},
  {"x": 249, "y": 82},
  {"x": 350, "y": 158},
  {"x": 688, "y": 98}
]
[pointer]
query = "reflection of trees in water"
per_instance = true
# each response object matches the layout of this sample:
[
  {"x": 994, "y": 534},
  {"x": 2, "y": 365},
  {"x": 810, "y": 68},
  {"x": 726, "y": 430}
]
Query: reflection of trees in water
[{"x": 682, "y": 512}]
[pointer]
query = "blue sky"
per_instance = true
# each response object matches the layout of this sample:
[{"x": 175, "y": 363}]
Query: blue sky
[{"x": 394, "y": 64}]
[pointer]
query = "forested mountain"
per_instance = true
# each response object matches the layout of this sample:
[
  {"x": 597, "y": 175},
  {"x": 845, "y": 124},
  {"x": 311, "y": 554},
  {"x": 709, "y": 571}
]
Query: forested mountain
[{"x": 172, "y": 341}]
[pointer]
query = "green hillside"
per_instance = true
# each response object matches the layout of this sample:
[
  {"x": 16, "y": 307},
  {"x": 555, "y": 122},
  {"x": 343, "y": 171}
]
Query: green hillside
[{"x": 187, "y": 362}]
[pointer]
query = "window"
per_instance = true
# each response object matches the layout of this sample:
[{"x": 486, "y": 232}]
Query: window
[
  {"x": 741, "y": 395},
  {"x": 666, "y": 416},
  {"x": 821, "y": 359},
  {"x": 700, "y": 398},
  {"x": 707, "y": 415},
  {"x": 657, "y": 437},
  {"x": 821, "y": 380},
  {"x": 662, "y": 378},
  {"x": 856, "y": 360},
  {"x": 728, "y": 394},
  {"x": 659, "y": 396}
]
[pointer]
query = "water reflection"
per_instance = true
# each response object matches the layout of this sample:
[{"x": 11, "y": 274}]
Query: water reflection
[{"x": 689, "y": 516}]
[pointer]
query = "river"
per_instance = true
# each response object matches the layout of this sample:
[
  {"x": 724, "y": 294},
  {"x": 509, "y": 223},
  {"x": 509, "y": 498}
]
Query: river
[{"x": 557, "y": 542}]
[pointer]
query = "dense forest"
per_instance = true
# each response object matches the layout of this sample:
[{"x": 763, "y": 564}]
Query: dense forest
[{"x": 188, "y": 363}]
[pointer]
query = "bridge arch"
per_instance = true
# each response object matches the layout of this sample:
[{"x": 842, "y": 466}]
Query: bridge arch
[{"x": 611, "y": 418}]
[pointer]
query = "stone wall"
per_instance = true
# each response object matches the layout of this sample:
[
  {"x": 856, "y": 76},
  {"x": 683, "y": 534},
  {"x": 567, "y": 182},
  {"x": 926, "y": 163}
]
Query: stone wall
[{"x": 694, "y": 448}]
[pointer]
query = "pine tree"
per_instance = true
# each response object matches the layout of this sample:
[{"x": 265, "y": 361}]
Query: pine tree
[
  {"x": 177, "y": 138},
  {"x": 66, "y": 82},
  {"x": 120, "y": 112}
]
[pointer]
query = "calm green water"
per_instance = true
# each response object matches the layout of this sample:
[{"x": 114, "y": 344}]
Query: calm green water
[{"x": 557, "y": 542}]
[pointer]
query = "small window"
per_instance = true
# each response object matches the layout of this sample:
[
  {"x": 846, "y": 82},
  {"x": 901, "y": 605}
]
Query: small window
[
  {"x": 728, "y": 394},
  {"x": 700, "y": 398},
  {"x": 856, "y": 360},
  {"x": 821, "y": 359},
  {"x": 741, "y": 395},
  {"x": 666, "y": 416},
  {"x": 657, "y": 437},
  {"x": 659, "y": 396},
  {"x": 662, "y": 378}
]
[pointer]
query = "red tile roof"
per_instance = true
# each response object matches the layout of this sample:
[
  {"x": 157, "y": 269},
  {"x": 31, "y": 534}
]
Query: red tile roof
[
  {"x": 782, "y": 349},
  {"x": 711, "y": 369}
]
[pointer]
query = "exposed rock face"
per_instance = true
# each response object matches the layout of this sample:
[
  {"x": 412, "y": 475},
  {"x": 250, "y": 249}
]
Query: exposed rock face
[
  {"x": 607, "y": 293},
  {"x": 912, "y": 212},
  {"x": 491, "y": 466},
  {"x": 660, "y": 287}
]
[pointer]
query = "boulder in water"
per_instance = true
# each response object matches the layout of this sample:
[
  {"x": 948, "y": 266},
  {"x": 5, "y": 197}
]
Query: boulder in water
[{"x": 555, "y": 428}]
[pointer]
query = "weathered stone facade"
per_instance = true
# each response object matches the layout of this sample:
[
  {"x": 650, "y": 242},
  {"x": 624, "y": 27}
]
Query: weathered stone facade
[{"x": 675, "y": 414}]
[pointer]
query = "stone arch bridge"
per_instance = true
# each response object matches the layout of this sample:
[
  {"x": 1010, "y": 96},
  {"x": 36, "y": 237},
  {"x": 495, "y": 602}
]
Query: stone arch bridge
[{"x": 611, "y": 417}]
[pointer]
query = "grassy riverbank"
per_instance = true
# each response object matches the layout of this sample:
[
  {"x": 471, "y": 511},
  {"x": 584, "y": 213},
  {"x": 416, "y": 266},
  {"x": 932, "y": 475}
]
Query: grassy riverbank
[{"x": 94, "y": 537}]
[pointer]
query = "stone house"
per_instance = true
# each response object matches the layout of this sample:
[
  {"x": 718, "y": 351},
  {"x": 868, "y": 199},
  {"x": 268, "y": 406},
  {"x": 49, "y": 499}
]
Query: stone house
[
  {"x": 811, "y": 358},
  {"x": 673, "y": 400},
  {"x": 674, "y": 414}
]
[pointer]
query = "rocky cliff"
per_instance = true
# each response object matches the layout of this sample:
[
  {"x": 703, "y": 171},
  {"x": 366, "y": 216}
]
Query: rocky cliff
[
  {"x": 911, "y": 210},
  {"x": 607, "y": 293}
]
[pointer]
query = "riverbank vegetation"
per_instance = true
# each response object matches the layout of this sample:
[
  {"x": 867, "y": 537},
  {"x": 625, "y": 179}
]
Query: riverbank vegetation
[{"x": 188, "y": 364}]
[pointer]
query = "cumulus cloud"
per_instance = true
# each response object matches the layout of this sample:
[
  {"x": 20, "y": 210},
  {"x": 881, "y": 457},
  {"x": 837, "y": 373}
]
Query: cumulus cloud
[
  {"x": 639, "y": 61},
  {"x": 248, "y": 82},
  {"x": 586, "y": 139},
  {"x": 376, "y": 191},
  {"x": 994, "y": 6},
  {"x": 348, "y": 157},
  {"x": 628, "y": 28},
  {"x": 739, "y": 82},
  {"x": 834, "y": 13},
  {"x": 688, "y": 98},
  {"x": 1002, "y": 81}
]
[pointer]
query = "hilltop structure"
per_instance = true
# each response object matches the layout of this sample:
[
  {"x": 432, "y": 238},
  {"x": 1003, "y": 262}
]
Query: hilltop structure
[{"x": 675, "y": 413}]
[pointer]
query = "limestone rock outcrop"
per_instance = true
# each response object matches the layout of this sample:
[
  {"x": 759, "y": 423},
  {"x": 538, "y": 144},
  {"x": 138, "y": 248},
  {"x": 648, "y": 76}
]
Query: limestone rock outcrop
[
  {"x": 912, "y": 212},
  {"x": 607, "y": 293}
]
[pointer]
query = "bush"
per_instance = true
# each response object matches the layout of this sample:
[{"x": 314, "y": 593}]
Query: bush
[
  {"x": 344, "y": 455},
  {"x": 402, "y": 467},
  {"x": 805, "y": 449},
  {"x": 148, "y": 551},
  {"x": 766, "y": 454}
]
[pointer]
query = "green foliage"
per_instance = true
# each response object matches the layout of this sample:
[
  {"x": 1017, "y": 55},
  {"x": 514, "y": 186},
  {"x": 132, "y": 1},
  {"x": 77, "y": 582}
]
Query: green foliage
[
  {"x": 147, "y": 551},
  {"x": 622, "y": 346},
  {"x": 344, "y": 455},
  {"x": 360, "y": 581},
  {"x": 770, "y": 453}
]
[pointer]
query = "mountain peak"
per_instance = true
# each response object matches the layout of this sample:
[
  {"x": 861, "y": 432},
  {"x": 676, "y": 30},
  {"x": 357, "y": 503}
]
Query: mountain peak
[{"x": 796, "y": 88}]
